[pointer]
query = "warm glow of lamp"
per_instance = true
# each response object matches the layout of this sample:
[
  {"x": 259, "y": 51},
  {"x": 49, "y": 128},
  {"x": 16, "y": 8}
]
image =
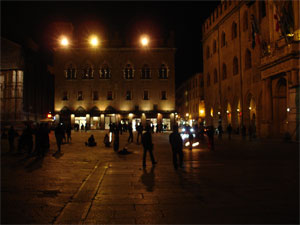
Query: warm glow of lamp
[
  {"x": 288, "y": 109},
  {"x": 144, "y": 40},
  {"x": 219, "y": 113},
  {"x": 238, "y": 110},
  {"x": 250, "y": 108},
  {"x": 49, "y": 115},
  {"x": 227, "y": 111},
  {"x": 94, "y": 41},
  {"x": 64, "y": 41},
  {"x": 187, "y": 114},
  {"x": 201, "y": 111}
]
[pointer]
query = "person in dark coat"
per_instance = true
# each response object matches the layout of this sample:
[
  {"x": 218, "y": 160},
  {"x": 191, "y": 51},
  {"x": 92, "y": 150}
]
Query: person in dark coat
[
  {"x": 191, "y": 140},
  {"x": 229, "y": 131},
  {"x": 148, "y": 146},
  {"x": 91, "y": 141},
  {"x": 130, "y": 138},
  {"x": 210, "y": 134},
  {"x": 68, "y": 131},
  {"x": 177, "y": 145},
  {"x": 59, "y": 134},
  {"x": 28, "y": 139},
  {"x": 220, "y": 129},
  {"x": 106, "y": 141},
  {"x": 139, "y": 133},
  {"x": 11, "y": 138}
]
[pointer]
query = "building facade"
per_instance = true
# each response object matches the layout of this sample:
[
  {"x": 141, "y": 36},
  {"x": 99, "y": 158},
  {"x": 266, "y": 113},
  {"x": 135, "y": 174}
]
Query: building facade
[
  {"x": 96, "y": 87},
  {"x": 251, "y": 66},
  {"x": 190, "y": 100},
  {"x": 25, "y": 83}
]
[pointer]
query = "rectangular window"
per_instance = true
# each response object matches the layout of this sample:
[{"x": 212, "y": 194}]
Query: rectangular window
[
  {"x": 128, "y": 95},
  {"x": 163, "y": 95},
  {"x": 65, "y": 96},
  {"x": 95, "y": 95},
  {"x": 109, "y": 95},
  {"x": 146, "y": 95},
  {"x": 80, "y": 96}
]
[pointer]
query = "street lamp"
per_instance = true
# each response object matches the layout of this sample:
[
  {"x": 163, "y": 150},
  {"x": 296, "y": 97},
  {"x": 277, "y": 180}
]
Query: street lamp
[
  {"x": 64, "y": 41},
  {"x": 94, "y": 41},
  {"x": 144, "y": 41}
]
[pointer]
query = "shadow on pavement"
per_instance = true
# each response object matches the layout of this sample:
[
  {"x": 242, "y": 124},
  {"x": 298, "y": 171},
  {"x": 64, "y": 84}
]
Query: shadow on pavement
[
  {"x": 148, "y": 179},
  {"x": 57, "y": 155},
  {"x": 36, "y": 164}
]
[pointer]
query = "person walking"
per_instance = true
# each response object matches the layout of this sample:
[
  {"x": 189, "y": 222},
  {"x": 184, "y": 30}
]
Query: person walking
[
  {"x": 68, "y": 131},
  {"x": 148, "y": 146},
  {"x": 229, "y": 130},
  {"x": 177, "y": 145},
  {"x": 106, "y": 141},
  {"x": 59, "y": 134},
  {"x": 139, "y": 133},
  {"x": 210, "y": 134},
  {"x": 220, "y": 129},
  {"x": 130, "y": 138},
  {"x": 28, "y": 139},
  {"x": 191, "y": 140},
  {"x": 11, "y": 138}
]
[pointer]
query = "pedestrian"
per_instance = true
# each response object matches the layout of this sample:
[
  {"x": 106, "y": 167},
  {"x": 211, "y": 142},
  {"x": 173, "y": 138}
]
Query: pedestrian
[
  {"x": 210, "y": 134},
  {"x": 116, "y": 140},
  {"x": 177, "y": 145},
  {"x": 220, "y": 130},
  {"x": 28, "y": 139},
  {"x": 63, "y": 128},
  {"x": 120, "y": 128},
  {"x": 91, "y": 142},
  {"x": 59, "y": 136},
  {"x": 130, "y": 138},
  {"x": 139, "y": 133},
  {"x": 191, "y": 139},
  {"x": 229, "y": 130},
  {"x": 44, "y": 142},
  {"x": 106, "y": 141},
  {"x": 68, "y": 131},
  {"x": 148, "y": 146},
  {"x": 82, "y": 127},
  {"x": 11, "y": 138}
]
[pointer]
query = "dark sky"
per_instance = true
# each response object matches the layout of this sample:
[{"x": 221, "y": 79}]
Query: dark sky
[{"x": 23, "y": 19}]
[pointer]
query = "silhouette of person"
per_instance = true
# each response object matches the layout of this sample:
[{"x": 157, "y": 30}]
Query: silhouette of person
[
  {"x": 220, "y": 129},
  {"x": 148, "y": 179},
  {"x": 148, "y": 146},
  {"x": 177, "y": 145},
  {"x": 130, "y": 138},
  {"x": 210, "y": 134},
  {"x": 91, "y": 141},
  {"x": 139, "y": 133},
  {"x": 59, "y": 134},
  {"x": 106, "y": 140},
  {"x": 68, "y": 131},
  {"x": 229, "y": 130}
]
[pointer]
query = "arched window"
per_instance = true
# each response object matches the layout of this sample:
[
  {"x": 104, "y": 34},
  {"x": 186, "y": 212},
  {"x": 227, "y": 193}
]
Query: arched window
[
  {"x": 128, "y": 72},
  {"x": 163, "y": 72},
  {"x": 235, "y": 65},
  {"x": 105, "y": 72},
  {"x": 234, "y": 30},
  {"x": 223, "y": 39},
  {"x": 87, "y": 72},
  {"x": 215, "y": 76},
  {"x": 70, "y": 72},
  {"x": 245, "y": 21},
  {"x": 224, "y": 70},
  {"x": 214, "y": 46},
  {"x": 248, "y": 63},
  {"x": 207, "y": 52},
  {"x": 146, "y": 72},
  {"x": 208, "y": 80}
]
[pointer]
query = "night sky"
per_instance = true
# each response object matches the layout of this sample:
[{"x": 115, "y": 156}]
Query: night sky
[{"x": 31, "y": 19}]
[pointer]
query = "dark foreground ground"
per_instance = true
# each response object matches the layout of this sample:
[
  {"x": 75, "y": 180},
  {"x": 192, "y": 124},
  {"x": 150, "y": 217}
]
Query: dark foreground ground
[{"x": 241, "y": 182}]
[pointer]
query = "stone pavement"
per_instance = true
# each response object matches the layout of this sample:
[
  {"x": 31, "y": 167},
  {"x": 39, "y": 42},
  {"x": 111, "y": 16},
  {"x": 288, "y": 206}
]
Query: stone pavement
[{"x": 241, "y": 182}]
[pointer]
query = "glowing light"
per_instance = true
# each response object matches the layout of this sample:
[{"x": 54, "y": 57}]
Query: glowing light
[
  {"x": 130, "y": 114},
  {"x": 183, "y": 130},
  {"x": 110, "y": 136},
  {"x": 187, "y": 114},
  {"x": 227, "y": 111},
  {"x": 238, "y": 110},
  {"x": 288, "y": 109},
  {"x": 195, "y": 144},
  {"x": 192, "y": 130},
  {"x": 64, "y": 41},
  {"x": 94, "y": 41},
  {"x": 219, "y": 113},
  {"x": 201, "y": 111},
  {"x": 187, "y": 144},
  {"x": 144, "y": 40},
  {"x": 250, "y": 108},
  {"x": 49, "y": 115}
]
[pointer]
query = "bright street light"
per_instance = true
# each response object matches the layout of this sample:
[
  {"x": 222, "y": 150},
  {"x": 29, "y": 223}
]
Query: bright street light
[
  {"x": 144, "y": 41},
  {"x": 94, "y": 41},
  {"x": 64, "y": 41}
]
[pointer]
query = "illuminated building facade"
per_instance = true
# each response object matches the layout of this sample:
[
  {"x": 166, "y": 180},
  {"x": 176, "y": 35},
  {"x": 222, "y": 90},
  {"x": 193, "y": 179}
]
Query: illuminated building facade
[
  {"x": 251, "y": 66},
  {"x": 190, "y": 99},
  {"x": 99, "y": 86}
]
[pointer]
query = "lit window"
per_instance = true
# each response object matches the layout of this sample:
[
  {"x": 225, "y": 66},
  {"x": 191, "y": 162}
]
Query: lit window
[
  {"x": 128, "y": 72},
  {"x": 163, "y": 72},
  {"x": 128, "y": 95},
  {"x": 109, "y": 95},
  {"x": 105, "y": 72},
  {"x": 146, "y": 95},
  {"x": 71, "y": 72},
  {"x": 87, "y": 72},
  {"x": 146, "y": 72},
  {"x": 163, "y": 95},
  {"x": 80, "y": 96}
]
